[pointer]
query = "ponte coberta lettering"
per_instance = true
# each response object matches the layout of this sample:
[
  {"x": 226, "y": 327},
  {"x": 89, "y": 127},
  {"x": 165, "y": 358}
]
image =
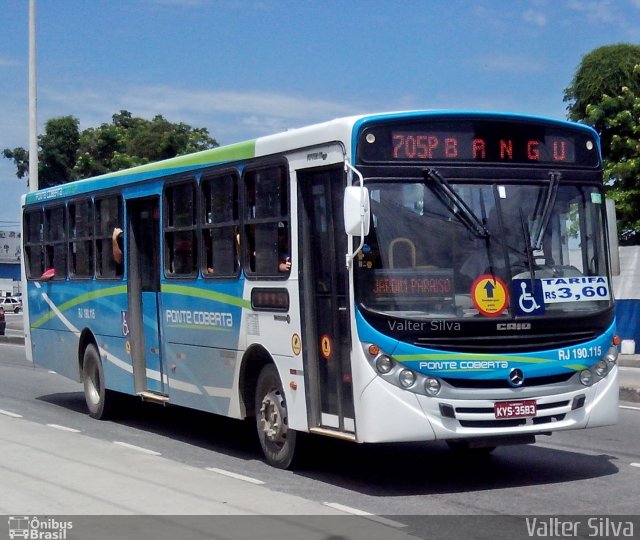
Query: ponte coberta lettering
[
  {"x": 220, "y": 319},
  {"x": 452, "y": 365}
]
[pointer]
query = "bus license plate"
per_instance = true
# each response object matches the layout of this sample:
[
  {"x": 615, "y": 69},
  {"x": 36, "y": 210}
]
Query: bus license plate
[{"x": 515, "y": 409}]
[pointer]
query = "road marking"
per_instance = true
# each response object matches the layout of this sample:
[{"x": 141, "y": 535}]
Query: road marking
[
  {"x": 636, "y": 465},
  {"x": 629, "y": 407},
  {"x": 236, "y": 476},
  {"x": 10, "y": 414},
  {"x": 347, "y": 509},
  {"x": 138, "y": 448},
  {"x": 367, "y": 515},
  {"x": 64, "y": 428}
]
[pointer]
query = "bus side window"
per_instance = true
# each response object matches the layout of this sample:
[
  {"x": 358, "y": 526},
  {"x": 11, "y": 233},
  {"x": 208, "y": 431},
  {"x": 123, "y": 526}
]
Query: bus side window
[
  {"x": 80, "y": 238},
  {"x": 55, "y": 241},
  {"x": 180, "y": 243},
  {"x": 108, "y": 217},
  {"x": 33, "y": 243},
  {"x": 220, "y": 229},
  {"x": 266, "y": 213}
]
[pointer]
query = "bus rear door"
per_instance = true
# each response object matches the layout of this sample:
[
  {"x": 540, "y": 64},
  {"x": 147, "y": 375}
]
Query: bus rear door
[{"x": 143, "y": 287}]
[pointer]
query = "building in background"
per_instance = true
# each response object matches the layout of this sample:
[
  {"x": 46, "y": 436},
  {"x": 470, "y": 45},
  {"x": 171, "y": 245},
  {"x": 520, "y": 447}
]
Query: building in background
[
  {"x": 10, "y": 253},
  {"x": 626, "y": 288}
]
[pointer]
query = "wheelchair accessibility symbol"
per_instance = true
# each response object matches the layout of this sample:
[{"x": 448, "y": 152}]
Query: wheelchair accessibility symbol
[{"x": 527, "y": 301}]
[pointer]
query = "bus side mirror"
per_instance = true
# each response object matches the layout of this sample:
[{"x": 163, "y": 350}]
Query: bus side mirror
[
  {"x": 612, "y": 229},
  {"x": 357, "y": 215}
]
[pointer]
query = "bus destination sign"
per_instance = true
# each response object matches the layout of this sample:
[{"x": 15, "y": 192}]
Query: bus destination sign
[
  {"x": 410, "y": 285},
  {"x": 478, "y": 141}
]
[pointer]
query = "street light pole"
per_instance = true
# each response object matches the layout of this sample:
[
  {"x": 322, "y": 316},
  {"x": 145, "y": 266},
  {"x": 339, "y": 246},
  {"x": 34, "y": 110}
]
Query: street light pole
[{"x": 33, "y": 123}]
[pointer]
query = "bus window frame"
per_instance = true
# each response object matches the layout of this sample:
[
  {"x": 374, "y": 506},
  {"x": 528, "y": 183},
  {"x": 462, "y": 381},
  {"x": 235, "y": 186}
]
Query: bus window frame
[
  {"x": 34, "y": 210},
  {"x": 52, "y": 242},
  {"x": 204, "y": 225},
  {"x": 73, "y": 238},
  {"x": 107, "y": 240},
  {"x": 247, "y": 221},
  {"x": 193, "y": 227}
]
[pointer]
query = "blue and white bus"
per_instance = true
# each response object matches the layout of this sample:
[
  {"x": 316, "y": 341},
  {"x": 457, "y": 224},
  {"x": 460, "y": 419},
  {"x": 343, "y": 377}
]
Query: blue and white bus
[{"x": 412, "y": 276}]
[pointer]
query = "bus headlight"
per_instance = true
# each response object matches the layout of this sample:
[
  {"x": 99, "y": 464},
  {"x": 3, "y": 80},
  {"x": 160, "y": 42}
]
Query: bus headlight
[
  {"x": 384, "y": 364},
  {"x": 407, "y": 378},
  {"x": 432, "y": 386},
  {"x": 586, "y": 377},
  {"x": 601, "y": 368},
  {"x": 612, "y": 355}
]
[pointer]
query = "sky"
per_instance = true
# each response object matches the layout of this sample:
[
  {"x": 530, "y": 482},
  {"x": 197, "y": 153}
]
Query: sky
[{"x": 247, "y": 68}]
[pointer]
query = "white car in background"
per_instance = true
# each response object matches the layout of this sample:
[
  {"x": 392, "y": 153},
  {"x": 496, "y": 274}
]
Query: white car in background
[{"x": 9, "y": 303}]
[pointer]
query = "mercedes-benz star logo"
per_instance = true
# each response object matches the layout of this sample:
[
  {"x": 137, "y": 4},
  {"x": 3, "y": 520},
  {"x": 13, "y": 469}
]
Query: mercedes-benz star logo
[{"x": 516, "y": 377}]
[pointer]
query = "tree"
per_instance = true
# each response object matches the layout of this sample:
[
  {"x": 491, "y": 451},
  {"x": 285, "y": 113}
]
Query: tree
[
  {"x": 21, "y": 158},
  {"x": 621, "y": 115},
  {"x": 58, "y": 148},
  {"x": 67, "y": 154},
  {"x": 605, "y": 93},
  {"x": 604, "y": 70}
]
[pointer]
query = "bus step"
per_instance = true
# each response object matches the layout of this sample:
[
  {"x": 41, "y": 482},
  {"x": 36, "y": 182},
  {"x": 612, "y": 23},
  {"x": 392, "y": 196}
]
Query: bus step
[
  {"x": 154, "y": 398},
  {"x": 332, "y": 433}
]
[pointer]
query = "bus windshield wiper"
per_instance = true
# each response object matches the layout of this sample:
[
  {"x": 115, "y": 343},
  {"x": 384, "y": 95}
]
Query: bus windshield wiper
[
  {"x": 541, "y": 225},
  {"x": 528, "y": 248},
  {"x": 456, "y": 204}
]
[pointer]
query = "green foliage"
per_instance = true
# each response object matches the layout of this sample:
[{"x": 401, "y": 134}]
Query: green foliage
[
  {"x": 621, "y": 115},
  {"x": 21, "y": 158},
  {"x": 603, "y": 71},
  {"x": 66, "y": 154},
  {"x": 58, "y": 148},
  {"x": 606, "y": 94}
]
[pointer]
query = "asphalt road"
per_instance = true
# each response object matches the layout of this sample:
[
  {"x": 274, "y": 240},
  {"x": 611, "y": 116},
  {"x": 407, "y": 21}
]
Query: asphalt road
[{"x": 152, "y": 451}]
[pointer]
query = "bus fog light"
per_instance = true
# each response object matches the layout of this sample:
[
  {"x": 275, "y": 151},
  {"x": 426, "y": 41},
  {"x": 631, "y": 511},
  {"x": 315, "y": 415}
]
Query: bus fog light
[
  {"x": 601, "y": 368},
  {"x": 586, "y": 377},
  {"x": 407, "y": 378},
  {"x": 432, "y": 386},
  {"x": 612, "y": 355},
  {"x": 384, "y": 364}
]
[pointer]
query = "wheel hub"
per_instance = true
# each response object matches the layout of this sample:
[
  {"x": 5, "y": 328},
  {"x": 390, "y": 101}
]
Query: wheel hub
[{"x": 273, "y": 417}]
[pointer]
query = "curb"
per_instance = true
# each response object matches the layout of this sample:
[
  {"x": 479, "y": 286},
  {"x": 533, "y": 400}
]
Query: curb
[
  {"x": 11, "y": 339},
  {"x": 629, "y": 395},
  {"x": 629, "y": 360}
]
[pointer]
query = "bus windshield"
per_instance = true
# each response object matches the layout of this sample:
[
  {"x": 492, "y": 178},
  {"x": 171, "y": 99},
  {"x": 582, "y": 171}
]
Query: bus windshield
[{"x": 423, "y": 259}]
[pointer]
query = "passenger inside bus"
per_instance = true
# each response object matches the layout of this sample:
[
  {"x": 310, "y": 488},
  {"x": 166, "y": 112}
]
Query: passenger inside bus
[
  {"x": 284, "y": 256},
  {"x": 116, "y": 245}
]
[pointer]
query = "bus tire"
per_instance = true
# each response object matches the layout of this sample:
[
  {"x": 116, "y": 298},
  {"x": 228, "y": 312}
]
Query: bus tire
[
  {"x": 278, "y": 442},
  {"x": 100, "y": 401}
]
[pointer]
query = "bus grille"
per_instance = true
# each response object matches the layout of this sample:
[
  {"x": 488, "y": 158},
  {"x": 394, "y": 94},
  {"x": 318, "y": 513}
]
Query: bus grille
[
  {"x": 482, "y": 417},
  {"x": 510, "y": 343},
  {"x": 510, "y": 423},
  {"x": 503, "y": 383}
]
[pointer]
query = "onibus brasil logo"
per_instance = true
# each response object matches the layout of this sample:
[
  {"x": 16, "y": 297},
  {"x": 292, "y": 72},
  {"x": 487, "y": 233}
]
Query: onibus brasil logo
[{"x": 35, "y": 528}]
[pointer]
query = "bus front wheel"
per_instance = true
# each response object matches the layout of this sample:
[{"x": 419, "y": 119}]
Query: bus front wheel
[
  {"x": 99, "y": 399},
  {"x": 278, "y": 442}
]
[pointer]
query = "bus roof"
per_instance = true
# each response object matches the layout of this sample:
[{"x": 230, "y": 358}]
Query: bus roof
[{"x": 339, "y": 129}]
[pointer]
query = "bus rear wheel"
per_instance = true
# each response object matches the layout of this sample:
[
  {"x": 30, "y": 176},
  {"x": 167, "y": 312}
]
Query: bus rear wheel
[
  {"x": 100, "y": 401},
  {"x": 277, "y": 440}
]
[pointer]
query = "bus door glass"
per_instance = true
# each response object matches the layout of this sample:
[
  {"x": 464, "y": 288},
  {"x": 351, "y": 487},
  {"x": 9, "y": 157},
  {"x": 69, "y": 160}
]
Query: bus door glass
[
  {"x": 325, "y": 314},
  {"x": 143, "y": 286}
]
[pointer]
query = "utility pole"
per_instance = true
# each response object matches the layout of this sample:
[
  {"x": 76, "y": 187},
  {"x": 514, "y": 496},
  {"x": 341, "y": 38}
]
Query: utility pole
[{"x": 33, "y": 116}]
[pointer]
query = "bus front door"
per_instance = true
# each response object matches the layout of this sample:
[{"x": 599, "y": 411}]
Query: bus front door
[
  {"x": 325, "y": 311},
  {"x": 143, "y": 286}
]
